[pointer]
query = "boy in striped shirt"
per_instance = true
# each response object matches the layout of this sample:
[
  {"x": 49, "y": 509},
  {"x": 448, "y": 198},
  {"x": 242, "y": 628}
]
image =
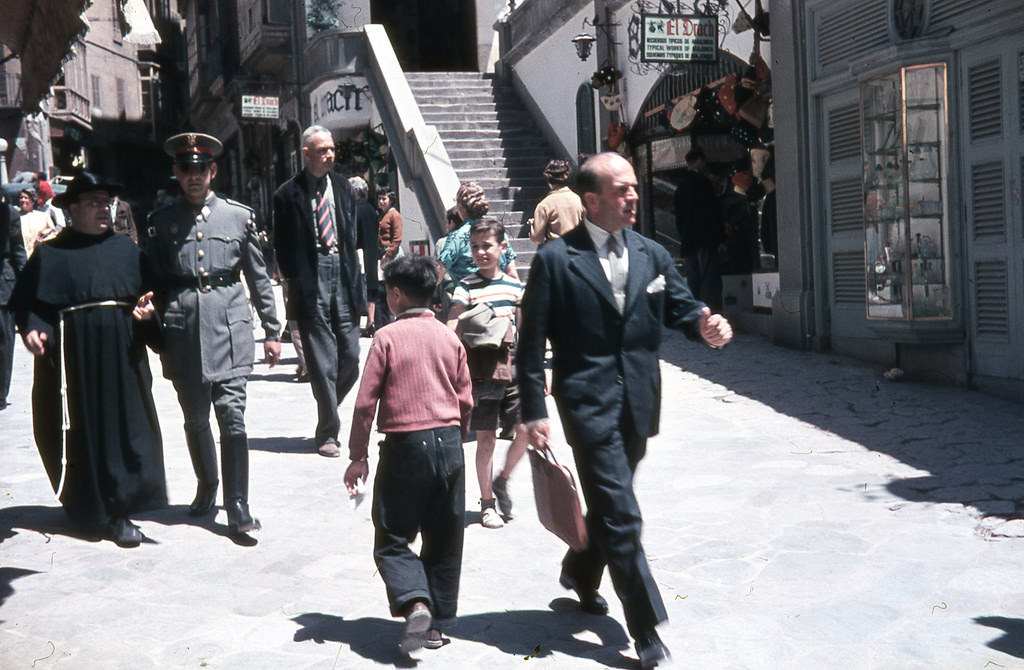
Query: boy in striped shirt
[{"x": 495, "y": 394}]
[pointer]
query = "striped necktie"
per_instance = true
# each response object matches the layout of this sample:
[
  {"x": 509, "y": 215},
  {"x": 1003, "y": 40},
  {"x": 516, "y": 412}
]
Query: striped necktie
[
  {"x": 324, "y": 220},
  {"x": 616, "y": 271}
]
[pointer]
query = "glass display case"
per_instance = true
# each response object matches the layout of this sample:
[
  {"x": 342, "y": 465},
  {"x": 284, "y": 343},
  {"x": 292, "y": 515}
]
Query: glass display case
[{"x": 906, "y": 224}]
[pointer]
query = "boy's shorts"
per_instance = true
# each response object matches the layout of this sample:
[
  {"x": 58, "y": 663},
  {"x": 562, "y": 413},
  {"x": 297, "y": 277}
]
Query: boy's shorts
[{"x": 495, "y": 404}]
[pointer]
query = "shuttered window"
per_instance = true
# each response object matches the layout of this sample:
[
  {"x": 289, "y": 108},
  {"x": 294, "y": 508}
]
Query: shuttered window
[
  {"x": 1020, "y": 89},
  {"x": 852, "y": 31},
  {"x": 990, "y": 299},
  {"x": 987, "y": 199},
  {"x": 845, "y": 203},
  {"x": 944, "y": 13},
  {"x": 985, "y": 99},
  {"x": 848, "y": 277},
  {"x": 843, "y": 133}
]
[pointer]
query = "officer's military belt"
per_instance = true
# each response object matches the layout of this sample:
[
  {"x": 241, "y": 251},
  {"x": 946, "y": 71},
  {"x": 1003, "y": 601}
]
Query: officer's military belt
[{"x": 207, "y": 282}]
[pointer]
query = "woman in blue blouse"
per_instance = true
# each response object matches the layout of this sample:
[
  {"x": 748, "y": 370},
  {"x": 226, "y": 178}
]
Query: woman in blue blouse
[{"x": 456, "y": 255}]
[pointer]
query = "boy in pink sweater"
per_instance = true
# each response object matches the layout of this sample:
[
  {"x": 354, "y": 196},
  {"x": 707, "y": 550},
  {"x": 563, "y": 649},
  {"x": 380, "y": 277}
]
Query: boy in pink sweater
[{"x": 417, "y": 383}]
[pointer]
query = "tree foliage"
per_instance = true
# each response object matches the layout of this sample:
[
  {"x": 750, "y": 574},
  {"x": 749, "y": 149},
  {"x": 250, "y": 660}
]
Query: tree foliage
[{"x": 322, "y": 15}]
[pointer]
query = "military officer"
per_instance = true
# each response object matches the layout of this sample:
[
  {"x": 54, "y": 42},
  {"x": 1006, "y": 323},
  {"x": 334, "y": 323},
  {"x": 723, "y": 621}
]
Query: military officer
[{"x": 200, "y": 247}]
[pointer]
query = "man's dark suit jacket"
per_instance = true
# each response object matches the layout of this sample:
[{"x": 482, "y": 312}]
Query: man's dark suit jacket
[
  {"x": 601, "y": 360},
  {"x": 12, "y": 251},
  {"x": 295, "y": 243}
]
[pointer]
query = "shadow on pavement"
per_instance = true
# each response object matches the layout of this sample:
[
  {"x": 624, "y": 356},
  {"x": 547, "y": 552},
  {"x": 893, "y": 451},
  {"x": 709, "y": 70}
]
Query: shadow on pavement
[
  {"x": 1012, "y": 640},
  {"x": 43, "y": 520},
  {"x": 177, "y": 515},
  {"x": 373, "y": 639},
  {"x": 8, "y": 575},
  {"x": 967, "y": 441},
  {"x": 283, "y": 445},
  {"x": 524, "y": 633},
  {"x": 537, "y": 633}
]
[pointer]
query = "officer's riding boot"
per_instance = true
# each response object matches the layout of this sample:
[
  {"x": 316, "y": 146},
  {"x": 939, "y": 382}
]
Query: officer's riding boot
[
  {"x": 204, "y": 462},
  {"x": 235, "y": 470}
]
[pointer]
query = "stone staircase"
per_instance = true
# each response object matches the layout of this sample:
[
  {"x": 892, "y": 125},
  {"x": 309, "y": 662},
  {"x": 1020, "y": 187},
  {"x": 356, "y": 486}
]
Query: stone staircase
[{"x": 491, "y": 140}]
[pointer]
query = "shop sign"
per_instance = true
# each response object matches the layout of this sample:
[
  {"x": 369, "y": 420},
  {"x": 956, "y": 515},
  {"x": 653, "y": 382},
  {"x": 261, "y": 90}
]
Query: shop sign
[
  {"x": 342, "y": 102},
  {"x": 260, "y": 107},
  {"x": 671, "y": 38}
]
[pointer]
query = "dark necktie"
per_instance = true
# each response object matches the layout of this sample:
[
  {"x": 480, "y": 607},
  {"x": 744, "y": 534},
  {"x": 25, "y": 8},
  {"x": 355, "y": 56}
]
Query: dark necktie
[
  {"x": 616, "y": 271},
  {"x": 324, "y": 220}
]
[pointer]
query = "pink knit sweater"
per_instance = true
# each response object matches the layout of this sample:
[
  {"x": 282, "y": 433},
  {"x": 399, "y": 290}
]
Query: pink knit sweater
[{"x": 416, "y": 372}]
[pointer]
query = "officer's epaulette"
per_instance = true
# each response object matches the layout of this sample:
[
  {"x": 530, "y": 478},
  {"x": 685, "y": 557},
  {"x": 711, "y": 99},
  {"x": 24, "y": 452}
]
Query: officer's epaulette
[
  {"x": 239, "y": 204},
  {"x": 248, "y": 210}
]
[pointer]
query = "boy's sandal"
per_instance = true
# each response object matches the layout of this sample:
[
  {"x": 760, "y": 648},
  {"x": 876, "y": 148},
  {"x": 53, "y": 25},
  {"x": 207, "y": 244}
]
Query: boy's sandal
[
  {"x": 415, "y": 632},
  {"x": 434, "y": 639}
]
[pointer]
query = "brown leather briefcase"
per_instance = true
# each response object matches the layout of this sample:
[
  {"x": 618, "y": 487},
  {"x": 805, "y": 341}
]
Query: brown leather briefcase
[{"x": 558, "y": 502}]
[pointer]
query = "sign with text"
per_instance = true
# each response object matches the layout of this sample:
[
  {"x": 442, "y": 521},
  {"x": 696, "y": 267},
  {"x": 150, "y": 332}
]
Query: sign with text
[
  {"x": 342, "y": 102},
  {"x": 670, "y": 38},
  {"x": 260, "y": 107}
]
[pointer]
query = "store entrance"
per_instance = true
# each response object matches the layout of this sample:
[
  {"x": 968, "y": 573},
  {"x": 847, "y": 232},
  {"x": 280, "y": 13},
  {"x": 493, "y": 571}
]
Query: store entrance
[{"x": 439, "y": 36}]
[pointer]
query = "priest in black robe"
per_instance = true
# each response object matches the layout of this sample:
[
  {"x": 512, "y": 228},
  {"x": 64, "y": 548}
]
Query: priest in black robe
[{"x": 82, "y": 310}]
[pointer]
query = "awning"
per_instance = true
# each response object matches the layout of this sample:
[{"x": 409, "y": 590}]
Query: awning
[
  {"x": 140, "y": 26},
  {"x": 41, "y": 33}
]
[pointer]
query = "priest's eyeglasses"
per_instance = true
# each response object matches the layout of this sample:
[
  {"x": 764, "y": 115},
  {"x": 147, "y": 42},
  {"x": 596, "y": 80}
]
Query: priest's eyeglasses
[{"x": 98, "y": 202}]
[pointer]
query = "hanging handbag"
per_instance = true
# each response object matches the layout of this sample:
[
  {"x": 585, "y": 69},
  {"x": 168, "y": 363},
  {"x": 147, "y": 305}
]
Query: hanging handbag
[{"x": 558, "y": 502}]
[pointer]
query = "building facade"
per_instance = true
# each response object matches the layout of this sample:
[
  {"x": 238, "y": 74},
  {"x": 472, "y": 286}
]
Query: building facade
[{"x": 901, "y": 224}]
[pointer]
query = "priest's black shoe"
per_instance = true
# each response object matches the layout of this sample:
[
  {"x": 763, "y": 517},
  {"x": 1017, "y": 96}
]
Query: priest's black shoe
[
  {"x": 239, "y": 519},
  {"x": 124, "y": 533},
  {"x": 591, "y": 601},
  {"x": 652, "y": 651},
  {"x": 206, "y": 498}
]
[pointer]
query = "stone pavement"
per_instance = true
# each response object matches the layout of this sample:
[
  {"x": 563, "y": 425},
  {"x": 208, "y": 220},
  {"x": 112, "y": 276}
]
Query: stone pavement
[{"x": 801, "y": 512}]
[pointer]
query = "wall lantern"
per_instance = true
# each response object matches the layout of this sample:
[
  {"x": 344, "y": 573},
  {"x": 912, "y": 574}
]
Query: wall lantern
[{"x": 583, "y": 42}]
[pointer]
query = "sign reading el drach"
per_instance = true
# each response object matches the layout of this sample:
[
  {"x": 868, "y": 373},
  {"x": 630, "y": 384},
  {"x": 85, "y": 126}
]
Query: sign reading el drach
[
  {"x": 675, "y": 38},
  {"x": 259, "y": 107}
]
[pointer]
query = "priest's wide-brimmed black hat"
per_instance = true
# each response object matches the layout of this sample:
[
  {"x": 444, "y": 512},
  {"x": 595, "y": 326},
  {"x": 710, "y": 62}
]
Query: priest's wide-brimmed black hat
[
  {"x": 193, "y": 148},
  {"x": 84, "y": 182}
]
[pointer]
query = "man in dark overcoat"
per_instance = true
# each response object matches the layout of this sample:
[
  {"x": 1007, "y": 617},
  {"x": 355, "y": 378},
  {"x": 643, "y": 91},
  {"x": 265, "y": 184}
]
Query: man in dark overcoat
[
  {"x": 201, "y": 247},
  {"x": 601, "y": 295},
  {"x": 12, "y": 260},
  {"x": 315, "y": 240}
]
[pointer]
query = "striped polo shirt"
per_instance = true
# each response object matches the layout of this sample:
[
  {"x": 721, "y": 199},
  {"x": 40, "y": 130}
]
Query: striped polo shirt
[{"x": 503, "y": 293}]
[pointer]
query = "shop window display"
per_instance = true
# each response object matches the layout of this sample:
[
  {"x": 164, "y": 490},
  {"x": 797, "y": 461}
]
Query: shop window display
[{"x": 906, "y": 222}]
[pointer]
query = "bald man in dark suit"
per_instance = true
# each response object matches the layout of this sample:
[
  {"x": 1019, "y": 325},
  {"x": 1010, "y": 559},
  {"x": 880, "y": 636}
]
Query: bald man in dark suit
[{"x": 601, "y": 295}]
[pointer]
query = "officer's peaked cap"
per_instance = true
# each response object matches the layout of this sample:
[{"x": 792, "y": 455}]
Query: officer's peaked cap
[{"x": 193, "y": 148}]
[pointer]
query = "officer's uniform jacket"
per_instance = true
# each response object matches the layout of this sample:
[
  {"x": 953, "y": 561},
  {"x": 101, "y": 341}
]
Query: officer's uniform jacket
[{"x": 198, "y": 262}]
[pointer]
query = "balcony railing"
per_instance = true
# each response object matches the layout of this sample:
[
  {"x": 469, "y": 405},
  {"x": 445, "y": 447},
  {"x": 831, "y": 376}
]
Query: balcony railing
[
  {"x": 71, "y": 106},
  {"x": 267, "y": 48}
]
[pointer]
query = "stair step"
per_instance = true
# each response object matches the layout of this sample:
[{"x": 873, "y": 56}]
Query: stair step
[{"x": 491, "y": 139}]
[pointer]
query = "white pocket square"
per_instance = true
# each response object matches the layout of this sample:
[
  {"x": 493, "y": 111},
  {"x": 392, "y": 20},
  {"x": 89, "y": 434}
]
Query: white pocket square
[{"x": 657, "y": 284}]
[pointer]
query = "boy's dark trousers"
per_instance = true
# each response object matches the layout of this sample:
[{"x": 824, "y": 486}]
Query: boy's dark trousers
[{"x": 420, "y": 487}]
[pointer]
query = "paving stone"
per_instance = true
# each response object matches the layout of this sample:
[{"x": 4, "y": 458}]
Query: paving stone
[{"x": 800, "y": 512}]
